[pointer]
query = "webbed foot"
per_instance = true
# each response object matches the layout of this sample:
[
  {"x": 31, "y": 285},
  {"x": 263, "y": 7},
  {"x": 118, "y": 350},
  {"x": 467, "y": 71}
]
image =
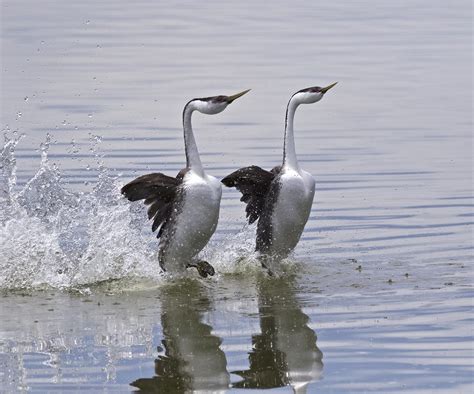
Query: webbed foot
[{"x": 204, "y": 268}]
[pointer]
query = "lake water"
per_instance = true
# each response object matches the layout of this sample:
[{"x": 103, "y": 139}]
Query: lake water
[{"x": 378, "y": 294}]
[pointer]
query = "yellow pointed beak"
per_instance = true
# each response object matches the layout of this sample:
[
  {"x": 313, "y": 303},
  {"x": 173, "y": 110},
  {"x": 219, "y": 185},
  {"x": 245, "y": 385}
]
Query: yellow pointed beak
[
  {"x": 236, "y": 96},
  {"x": 324, "y": 90}
]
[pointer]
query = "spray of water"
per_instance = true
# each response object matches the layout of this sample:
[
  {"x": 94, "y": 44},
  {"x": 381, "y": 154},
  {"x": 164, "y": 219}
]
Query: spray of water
[{"x": 53, "y": 237}]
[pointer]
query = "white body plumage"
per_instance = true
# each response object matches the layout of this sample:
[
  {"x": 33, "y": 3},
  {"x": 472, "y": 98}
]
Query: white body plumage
[
  {"x": 292, "y": 207},
  {"x": 196, "y": 220},
  {"x": 291, "y": 210}
]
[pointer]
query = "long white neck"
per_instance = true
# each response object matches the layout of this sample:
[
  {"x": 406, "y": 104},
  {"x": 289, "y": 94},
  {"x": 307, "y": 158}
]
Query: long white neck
[
  {"x": 193, "y": 161},
  {"x": 289, "y": 152}
]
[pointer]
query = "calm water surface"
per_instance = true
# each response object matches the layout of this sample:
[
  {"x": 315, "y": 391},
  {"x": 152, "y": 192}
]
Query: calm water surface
[{"x": 378, "y": 294}]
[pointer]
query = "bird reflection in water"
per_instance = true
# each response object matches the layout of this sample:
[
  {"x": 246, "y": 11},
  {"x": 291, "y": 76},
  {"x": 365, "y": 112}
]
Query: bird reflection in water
[
  {"x": 193, "y": 360},
  {"x": 285, "y": 352}
]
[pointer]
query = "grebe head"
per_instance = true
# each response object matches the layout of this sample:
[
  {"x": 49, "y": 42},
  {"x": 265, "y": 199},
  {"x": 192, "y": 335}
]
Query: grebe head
[
  {"x": 311, "y": 95},
  {"x": 214, "y": 105}
]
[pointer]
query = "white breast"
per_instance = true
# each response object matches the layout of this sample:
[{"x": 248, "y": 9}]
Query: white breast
[
  {"x": 291, "y": 210},
  {"x": 196, "y": 221}
]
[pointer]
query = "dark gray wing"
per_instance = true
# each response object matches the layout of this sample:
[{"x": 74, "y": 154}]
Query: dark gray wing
[
  {"x": 254, "y": 184},
  {"x": 159, "y": 192},
  {"x": 265, "y": 226}
]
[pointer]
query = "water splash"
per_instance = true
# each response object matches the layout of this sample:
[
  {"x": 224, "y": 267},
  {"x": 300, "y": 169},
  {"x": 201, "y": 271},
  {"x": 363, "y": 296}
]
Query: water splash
[
  {"x": 51, "y": 236},
  {"x": 44, "y": 194},
  {"x": 7, "y": 173}
]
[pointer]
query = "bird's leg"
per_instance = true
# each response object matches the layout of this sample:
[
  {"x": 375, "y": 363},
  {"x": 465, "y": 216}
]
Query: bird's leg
[
  {"x": 269, "y": 271},
  {"x": 263, "y": 261},
  {"x": 203, "y": 267},
  {"x": 161, "y": 260}
]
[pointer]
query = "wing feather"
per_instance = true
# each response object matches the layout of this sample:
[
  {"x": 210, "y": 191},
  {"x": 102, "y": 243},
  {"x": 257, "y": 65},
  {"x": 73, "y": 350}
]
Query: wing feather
[
  {"x": 151, "y": 186},
  {"x": 254, "y": 184},
  {"x": 159, "y": 192}
]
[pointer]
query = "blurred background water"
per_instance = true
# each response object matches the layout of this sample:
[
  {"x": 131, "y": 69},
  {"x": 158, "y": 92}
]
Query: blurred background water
[{"x": 378, "y": 295}]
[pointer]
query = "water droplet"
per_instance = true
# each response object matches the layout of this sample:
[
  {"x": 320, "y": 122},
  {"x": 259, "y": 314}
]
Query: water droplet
[{"x": 89, "y": 115}]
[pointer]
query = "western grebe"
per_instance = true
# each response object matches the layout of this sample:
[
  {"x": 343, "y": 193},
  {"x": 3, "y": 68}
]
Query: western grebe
[
  {"x": 280, "y": 199},
  {"x": 184, "y": 208}
]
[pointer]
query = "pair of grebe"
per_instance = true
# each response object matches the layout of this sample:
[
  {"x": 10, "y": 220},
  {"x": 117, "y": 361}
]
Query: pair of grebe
[{"x": 185, "y": 209}]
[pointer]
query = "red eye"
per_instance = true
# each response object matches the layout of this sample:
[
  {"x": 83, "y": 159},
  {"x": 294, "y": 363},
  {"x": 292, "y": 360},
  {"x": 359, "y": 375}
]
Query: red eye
[{"x": 221, "y": 99}]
